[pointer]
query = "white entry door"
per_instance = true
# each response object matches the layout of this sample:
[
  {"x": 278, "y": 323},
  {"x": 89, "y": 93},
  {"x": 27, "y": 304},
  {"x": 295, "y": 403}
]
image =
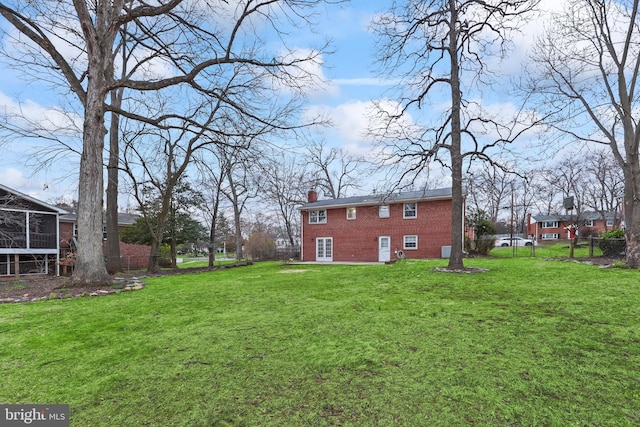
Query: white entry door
[
  {"x": 384, "y": 249},
  {"x": 324, "y": 249}
]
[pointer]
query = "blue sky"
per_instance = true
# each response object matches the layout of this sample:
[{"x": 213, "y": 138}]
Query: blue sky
[{"x": 352, "y": 85}]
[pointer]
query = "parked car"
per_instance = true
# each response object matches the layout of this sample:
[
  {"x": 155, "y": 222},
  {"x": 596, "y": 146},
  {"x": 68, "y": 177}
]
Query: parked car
[{"x": 513, "y": 241}]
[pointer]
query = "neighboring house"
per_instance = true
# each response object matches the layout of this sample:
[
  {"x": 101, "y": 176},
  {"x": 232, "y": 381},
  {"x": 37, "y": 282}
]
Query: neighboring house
[
  {"x": 29, "y": 234},
  {"x": 132, "y": 256},
  {"x": 69, "y": 224},
  {"x": 377, "y": 228},
  {"x": 554, "y": 227}
]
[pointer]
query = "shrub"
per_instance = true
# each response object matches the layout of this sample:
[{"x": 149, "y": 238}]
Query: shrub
[
  {"x": 484, "y": 231},
  {"x": 613, "y": 244}
]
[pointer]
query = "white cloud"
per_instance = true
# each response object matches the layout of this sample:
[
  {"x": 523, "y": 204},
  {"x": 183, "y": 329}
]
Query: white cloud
[
  {"x": 42, "y": 185},
  {"x": 349, "y": 120},
  {"x": 30, "y": 115},
  {"x": 355, "y": 126},
  {"x": 14, "y": 178}
]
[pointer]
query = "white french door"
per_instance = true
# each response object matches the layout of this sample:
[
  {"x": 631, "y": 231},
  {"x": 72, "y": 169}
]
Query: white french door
[{"x": 324, "y": 249}]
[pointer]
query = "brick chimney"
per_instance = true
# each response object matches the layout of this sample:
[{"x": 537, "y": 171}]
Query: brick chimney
[{"x": 312, "y": 196}]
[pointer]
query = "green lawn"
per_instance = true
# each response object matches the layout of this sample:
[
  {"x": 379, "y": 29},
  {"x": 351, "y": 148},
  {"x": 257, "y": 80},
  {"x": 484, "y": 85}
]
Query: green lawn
[
  {"x": 548, "y": 250},
  {"x": 532, "y": 342}
]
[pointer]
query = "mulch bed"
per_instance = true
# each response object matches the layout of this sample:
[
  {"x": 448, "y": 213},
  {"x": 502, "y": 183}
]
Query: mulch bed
[{"x": 35, "y": 287}]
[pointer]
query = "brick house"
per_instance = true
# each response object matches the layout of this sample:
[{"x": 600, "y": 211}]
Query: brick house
[
  {"x": 29, "y": 234},
  {"x": 377, "y": 228},
  {"x": 554, "y": 227},
  {"x": 132, "y": 256}
]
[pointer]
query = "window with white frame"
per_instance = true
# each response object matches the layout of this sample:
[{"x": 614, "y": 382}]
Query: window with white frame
[
  {"x": 383, "y": 211},
  {"x": 351, "y": 212},
  {"x": 549, "y": 224},
  {"x": 410, "y": 242},
  {"x": 318, "y": 216},
  {"x": 410, "y": 210},
  {"x": 550, "y": 236},
  {"x": 609, "y": 222},
  {"x": 588, "y": 223}
]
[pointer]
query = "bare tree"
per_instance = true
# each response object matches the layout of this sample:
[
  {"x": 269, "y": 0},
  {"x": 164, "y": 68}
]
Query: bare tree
[
  {"x": 489, "y": 189},
  {"x": 587, "y": 80},
  {"x": 524, "y": 198},
  {"x": 333, "y": 170},
  {"x": 154, "y": 164},
  {"x": 240, "y": 185},
  {"x": 605, "y": 187},
  {"x": 211, "y": 181},
  {"x": 546, "y": 200},
  {"x": 568, "y": 178},
  {"x": 155, "y": 160},
  {"x": 444, "y": 43},
  {"x": 283, "y": 188},
  {"x": 195, "y": 40}
]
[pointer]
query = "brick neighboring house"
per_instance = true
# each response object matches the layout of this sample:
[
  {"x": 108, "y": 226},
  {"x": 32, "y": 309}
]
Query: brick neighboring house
[
  {"x": 377, "y": 228},
  {"x": 29, "y": 234},
  {"x": 132, "y": 256},
  {"x": 554, "y": 227}
]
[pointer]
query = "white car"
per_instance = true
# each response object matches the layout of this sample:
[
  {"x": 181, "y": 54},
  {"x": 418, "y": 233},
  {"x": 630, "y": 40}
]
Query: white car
[{"x": 513, "y": 241}]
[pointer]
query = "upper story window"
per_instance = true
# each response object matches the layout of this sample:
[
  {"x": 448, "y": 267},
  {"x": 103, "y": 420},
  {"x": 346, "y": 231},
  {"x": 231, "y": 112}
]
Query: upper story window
[
  {"x": 318, "y": 216},
  {"x": 549, "y": 224},
  {"x": 383, "y": 211},
  {"x": 609, "y": 222},
  {"x": 588, "y": 223},
  {"x": 351, "y": 212},
  {"x": 410, "y": 210}
]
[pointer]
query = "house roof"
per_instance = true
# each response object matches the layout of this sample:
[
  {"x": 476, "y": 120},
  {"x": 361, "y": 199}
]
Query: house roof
[
  {"x": 381, "y": 199},
  {"x": 123, "y": 217},
  {"x": 33, "y": 200},
  {"x": 583, "y": 216}
]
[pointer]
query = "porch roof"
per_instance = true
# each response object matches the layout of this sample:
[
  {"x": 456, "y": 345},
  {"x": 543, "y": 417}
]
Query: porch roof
[{"x": 33, "y": 200}]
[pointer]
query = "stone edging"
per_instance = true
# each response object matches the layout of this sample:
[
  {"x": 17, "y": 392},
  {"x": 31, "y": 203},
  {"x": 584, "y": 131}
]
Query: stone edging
[{"x": 132, "y": 284}]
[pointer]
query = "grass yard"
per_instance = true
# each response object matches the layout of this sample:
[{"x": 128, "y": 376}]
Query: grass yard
[{"x": 532, "y": 342}]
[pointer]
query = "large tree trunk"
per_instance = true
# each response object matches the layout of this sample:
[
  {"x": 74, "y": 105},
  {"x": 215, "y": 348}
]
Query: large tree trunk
[
  {"x": 90, "y": 267},
  {"x": 457, "y": 203},
  {"x": 157, "y": 235},
  {"x": 632, "y": 216},
  {"x": 238, "y": 232},
  {"x": 212, "y": 239},
  {"x": 154, "y": 257},
  {"x": 631, "y": 171},
  {"x": 174, "y": 253},
  {"x": 114, "y": 263}
]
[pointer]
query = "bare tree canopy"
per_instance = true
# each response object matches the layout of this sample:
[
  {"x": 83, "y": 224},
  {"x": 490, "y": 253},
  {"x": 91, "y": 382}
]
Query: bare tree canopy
[
  {"x": 194, "y": 46},
  {"x": 440, "y": 50},
  {"x": 586, "y": 80},
  {"x": 333, "y": 170}
]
